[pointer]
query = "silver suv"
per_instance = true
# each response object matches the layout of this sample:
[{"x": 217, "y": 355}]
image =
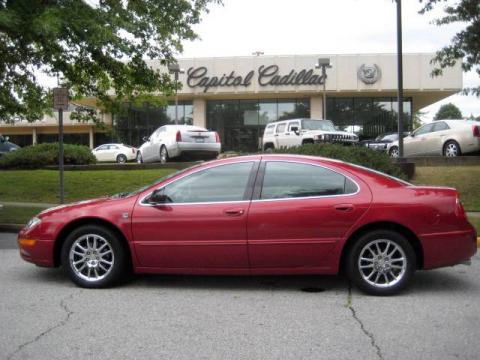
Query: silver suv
[{"x": 296, "y": 132}]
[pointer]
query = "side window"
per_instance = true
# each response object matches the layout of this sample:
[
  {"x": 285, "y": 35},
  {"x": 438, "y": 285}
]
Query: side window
[
  {"x": 425, "y": 129},
  {"x": 114, "y": 147},
  {"x": 290, "y": 180},
  {"x": 221, "y": 183},
  {"x": 103, "y": 147},
  {"x": 440, "y": 125},
  {"x": 269, "y": 130},
  {"x": 294, "y": 124},
  {"x": 280, "y": 128}
]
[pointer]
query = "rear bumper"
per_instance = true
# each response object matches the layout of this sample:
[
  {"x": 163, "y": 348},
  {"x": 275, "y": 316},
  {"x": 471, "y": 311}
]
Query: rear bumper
[
  {"x": 447, "y": 249},
  {"x": 200, "y": 149}
]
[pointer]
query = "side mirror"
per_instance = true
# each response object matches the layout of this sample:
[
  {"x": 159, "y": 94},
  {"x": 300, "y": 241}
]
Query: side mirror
[
  {"x": 146, "y": 139},
  {"x": 159, "y": 197},
  {"x": 295, "y": 130}
]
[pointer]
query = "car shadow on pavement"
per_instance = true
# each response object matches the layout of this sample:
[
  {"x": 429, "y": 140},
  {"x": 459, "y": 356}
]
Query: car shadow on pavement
[{"x": 454, "y": 279}]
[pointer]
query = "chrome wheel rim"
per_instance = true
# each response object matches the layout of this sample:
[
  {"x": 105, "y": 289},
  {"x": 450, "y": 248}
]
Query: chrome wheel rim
[
  {"x": 451, "y": 150},
  {"x": 122, "y": 159},
  {"x": 91, "y": 257},
  {"x": 394, "y": 153},
  {"x": 382, "y": 263},
  {"x": 163, "y": 155}
]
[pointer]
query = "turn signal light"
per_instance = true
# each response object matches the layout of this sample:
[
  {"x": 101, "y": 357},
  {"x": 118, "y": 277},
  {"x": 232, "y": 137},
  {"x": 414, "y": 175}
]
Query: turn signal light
[
  {"x": 179, "y": 136},
  {"x": 26, "y": 242},
  {"x": 217, "y": 137}
]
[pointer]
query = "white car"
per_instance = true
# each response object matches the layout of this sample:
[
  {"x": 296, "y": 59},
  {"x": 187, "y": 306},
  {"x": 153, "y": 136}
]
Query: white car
[
  {"x": 171, "y": 141},
  {"x": 119, "y": 153},
  {"x": 296, "y": 132},
  {"x": 442, "y": 137}
]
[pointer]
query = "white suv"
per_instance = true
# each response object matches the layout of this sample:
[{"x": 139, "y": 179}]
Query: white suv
[
  {"x": 297, "y": 132},
  {"x": 172, "y": 141}
]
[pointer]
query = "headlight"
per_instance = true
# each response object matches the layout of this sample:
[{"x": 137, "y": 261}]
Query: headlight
[{"x": 32, "y": 223}]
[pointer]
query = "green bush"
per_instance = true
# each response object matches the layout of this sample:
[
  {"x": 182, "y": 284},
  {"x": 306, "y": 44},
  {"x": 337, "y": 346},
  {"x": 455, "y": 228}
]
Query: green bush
[
  {"x": 38, "y": 156},
  {"x": 358, "y": 155}
]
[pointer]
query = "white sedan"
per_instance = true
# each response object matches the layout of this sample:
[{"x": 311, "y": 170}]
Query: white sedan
[
  {"x": 119, "y": 153},
  {"x": 172, "y": 141}
]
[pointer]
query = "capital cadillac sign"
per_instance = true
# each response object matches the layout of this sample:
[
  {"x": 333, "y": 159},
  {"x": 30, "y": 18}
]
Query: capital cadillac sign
[{"x": 198, "y": 77}]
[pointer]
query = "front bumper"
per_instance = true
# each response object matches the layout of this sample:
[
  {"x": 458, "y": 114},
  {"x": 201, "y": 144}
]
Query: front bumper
[{"x": 34, "y": 250}]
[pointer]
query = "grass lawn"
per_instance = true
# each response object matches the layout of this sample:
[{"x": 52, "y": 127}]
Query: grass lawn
[
  {"x": 42, "y": 185},
  {"x": 464, "y": 178},
  {"x": 17, "y": 215}
]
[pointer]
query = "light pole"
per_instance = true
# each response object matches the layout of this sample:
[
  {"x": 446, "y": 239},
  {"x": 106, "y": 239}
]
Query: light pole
[
  {"x": 175, "y": 69},
  {"x": 324, "y": 63},
  {"x": 400, "y": 78}
]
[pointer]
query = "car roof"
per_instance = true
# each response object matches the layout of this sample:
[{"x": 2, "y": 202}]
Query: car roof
[{"x": 297, "y": 119}]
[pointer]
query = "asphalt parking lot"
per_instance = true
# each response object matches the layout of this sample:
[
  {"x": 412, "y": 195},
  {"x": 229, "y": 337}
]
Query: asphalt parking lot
[{"x": 44, "y": 316}]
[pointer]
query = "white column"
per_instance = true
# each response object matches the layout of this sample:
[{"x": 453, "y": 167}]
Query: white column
[
  {"x": 200, "y": 112},
  {"x": 91, "y": 137},
  {"x": 316, "y": 107},
  {"x": 34, "y": 136}
]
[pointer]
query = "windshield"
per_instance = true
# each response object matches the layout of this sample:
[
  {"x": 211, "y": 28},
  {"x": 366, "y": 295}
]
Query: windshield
[{"x": 324, "y": 125}]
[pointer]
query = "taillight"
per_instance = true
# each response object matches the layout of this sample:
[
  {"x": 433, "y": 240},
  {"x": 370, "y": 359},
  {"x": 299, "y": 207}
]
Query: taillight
[
  {"x": 217, "y": 137},
  {"x": 179, "y": 136},
  {"x": 459, "y": 210},
  {"x": 476, "y": 130}
]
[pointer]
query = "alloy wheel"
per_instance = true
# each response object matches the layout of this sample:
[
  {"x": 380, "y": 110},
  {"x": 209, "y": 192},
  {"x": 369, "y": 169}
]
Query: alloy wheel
[
  {"x": 451, "y": 150},
  {"x": 91, "y": 257},
  {"x": 382, "y": 263},
  {"x": 394, "y": 152}
]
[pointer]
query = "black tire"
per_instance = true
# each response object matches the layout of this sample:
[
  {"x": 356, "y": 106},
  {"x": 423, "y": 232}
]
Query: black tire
[
  {"x": 268, "y": 148},
  {"x": 94, "y": 271},
  {"x": 121, "y": 159},
  {"x": 393, "y": 152},
  {"x": 451, "y": 149},
  {"x": 139, "y": 158},
  {"x": 384, "y": 266},
  {"x": 164, "y": 155},
  {"x": 307, "y": 141}
]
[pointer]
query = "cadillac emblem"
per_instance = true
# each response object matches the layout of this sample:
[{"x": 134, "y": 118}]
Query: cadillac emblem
[{"x": 369, "y": 74}]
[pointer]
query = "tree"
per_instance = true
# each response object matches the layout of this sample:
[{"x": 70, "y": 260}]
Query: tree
[
  {"x": 466, "y": 43},
  {"x": 96, "y": 47},
  {"x": 448, "y": 111},
  {"x": 417, "y": 119}
]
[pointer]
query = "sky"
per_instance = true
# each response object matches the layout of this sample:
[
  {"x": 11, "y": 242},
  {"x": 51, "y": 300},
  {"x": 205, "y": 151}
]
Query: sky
[{"x": 280, "y": 27}]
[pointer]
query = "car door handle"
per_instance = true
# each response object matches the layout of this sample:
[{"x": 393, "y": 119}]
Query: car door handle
[
  {"x": 234, "y": 212},
  {"x": 344, "y": 207}
]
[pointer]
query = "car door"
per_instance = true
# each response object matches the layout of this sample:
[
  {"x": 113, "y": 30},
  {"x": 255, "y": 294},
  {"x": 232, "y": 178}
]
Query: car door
[
  {"x": 415, "y": 144},
  {"x": 111, "y": 153},
  {"x": 436, "y": 138},
  {"x": 101, "y": 152},
  {"x": 149, "y": 151},
  {"x": 203, "y": 226},
  {"x": 280, "y": 135},
  {"x": 298, "y": 215},
  {"x": 290, "y": 138}
]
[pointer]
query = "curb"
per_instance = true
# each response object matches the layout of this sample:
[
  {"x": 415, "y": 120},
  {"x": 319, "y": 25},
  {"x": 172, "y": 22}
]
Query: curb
[{"x": 15, "y": 228}]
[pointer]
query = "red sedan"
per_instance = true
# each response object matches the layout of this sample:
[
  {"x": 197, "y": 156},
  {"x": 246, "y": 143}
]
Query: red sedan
[{"x": 263, "y": 214}]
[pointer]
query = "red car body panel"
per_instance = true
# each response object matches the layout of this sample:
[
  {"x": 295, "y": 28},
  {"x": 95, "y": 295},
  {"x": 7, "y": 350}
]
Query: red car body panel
[{"x": 287, "y": 236}]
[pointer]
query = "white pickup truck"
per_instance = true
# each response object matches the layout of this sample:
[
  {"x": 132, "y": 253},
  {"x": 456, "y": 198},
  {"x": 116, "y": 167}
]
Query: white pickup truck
[{"x": 296, "y": 132}]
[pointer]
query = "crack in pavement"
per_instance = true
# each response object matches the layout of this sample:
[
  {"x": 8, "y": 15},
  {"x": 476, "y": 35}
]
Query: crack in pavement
[
  {"x": 63, "y": 322},
  {"x": 349, "y": 305}
]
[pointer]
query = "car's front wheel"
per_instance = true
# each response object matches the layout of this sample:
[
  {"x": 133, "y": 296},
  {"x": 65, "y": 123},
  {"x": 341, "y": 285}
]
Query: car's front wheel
[
  {"x": 93, "y": 257},
  {"x": 381, "y": 262},
  {"x": 393, "y": 152}
]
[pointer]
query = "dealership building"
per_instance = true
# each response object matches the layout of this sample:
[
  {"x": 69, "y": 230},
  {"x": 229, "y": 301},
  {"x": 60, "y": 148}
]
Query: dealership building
[{"x": 238, "y": 96}]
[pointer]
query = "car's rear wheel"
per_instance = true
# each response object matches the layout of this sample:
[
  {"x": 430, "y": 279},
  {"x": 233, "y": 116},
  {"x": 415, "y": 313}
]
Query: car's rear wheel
[
  {"x": 163, "y": 155},
  {"x": 121, "y": 159},
  {"x": 93, "y": 257},
  {"x": 451, "y": 149},
  {"x": 139, "y": 157},
  {"x": 393, "y": 152},
  {"x": 381, "y": 262}
]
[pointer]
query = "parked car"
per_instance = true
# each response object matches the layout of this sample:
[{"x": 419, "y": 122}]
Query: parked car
[
  {"x": 296, "y": 132},
  {"x": 385, "y": 142},
  {"x": 6, "y": 146},
  {"x": 258, "y": 215},
  {"x": 444, "y": 137},
  {"x": 171, "y": 141},
  {"x": 119, "y": 153}
]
